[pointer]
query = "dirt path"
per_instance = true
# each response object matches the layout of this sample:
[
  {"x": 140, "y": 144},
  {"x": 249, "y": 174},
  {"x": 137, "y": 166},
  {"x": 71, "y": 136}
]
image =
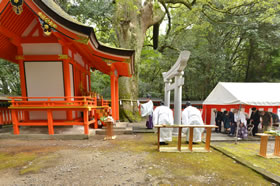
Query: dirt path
[
  {"x": 129, "y": 160},
  {"x": 73, "y": 163}
]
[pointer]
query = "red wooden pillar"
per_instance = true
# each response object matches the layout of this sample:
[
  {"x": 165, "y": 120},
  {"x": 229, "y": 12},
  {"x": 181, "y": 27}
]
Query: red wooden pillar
[
  {"x": 89, "y": 80},
  {"x": 113, "y": 93},
  {"x": 22, "y": 79},
  {"x": 50, "y": 122},
  {"x": 66, "y": 77},
  {"x": 75, "y": 73},
  {"x": 1, "y": 118},
  {"x": 86, "y": 128},
  {"x": 15, "y": 121},
  {"x": 117, "y": 98}
]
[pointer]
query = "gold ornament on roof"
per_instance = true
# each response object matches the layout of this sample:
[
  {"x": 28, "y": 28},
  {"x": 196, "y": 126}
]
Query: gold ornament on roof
[
  {"x": 47, "y": 24},
  {"x": 17, "y": 6},
  {"x": 108, "y": 61}
]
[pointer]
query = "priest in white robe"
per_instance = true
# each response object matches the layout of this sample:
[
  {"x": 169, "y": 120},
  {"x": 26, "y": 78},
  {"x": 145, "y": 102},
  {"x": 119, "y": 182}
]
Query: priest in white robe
[
  {"x": 163, "y": 115},
  {"x": 147, "y": 110},
  {"x": 192, "y": 116}
]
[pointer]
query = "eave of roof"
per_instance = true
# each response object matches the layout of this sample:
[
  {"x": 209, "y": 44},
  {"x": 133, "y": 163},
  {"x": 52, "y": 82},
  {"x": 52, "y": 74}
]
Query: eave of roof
[{"x": 54, "y": 11}]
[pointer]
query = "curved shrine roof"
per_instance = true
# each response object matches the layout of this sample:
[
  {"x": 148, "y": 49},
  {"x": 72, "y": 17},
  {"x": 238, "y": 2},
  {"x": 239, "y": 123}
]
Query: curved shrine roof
[{"x": 83, "y": 37}]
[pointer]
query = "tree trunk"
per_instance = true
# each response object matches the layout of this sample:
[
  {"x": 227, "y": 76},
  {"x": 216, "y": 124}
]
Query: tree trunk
[
  {"x": 131, "y": 23},
  {"x": 128, "y": 92}
]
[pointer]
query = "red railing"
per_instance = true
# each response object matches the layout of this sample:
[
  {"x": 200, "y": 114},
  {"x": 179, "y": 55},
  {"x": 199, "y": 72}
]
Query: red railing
[
  {"x": 57, "y": 101},
  {"x": 5, "y": 116},
  {"x": 91, "y": 107},
  {"x": 52, "y": 101}
]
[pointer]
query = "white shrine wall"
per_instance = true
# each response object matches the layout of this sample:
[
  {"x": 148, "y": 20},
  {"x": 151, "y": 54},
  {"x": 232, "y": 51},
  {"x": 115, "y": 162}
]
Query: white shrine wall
[
  {"x": 42, "y": 49},
  {"x": 78, "y": 58},
  {"x": 44, "y": 79}
]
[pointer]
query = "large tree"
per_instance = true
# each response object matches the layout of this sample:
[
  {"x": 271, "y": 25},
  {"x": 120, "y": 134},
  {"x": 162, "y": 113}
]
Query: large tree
[
  {"x": 131, "y": 20},
  {"x": 218, "y": 27}
]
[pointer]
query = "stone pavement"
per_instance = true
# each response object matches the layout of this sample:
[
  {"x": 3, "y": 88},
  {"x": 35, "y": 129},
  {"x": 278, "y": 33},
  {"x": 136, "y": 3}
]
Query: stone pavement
[{"x": 220, "y": 137}]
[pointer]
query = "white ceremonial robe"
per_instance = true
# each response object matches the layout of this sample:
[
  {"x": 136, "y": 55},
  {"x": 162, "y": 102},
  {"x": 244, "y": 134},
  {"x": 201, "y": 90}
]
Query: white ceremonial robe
[
  {"x": 164, "y": 115},
  {"x": 147, "y": 108},
  {"x": 192, "y": 116},
  {"x": 240, "y": 117}
]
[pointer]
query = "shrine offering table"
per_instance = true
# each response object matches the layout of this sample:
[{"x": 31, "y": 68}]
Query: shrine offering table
[
  {"x": 190, "y": 145},
  {"x": 263, "y": 146}
]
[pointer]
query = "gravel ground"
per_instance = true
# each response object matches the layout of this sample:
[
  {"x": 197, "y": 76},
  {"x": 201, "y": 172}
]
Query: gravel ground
[
  {"x": 75, "y": 163},
  {"x": 128, "y": 160}
]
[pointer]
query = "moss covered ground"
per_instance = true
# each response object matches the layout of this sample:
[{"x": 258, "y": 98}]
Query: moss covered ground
[
  {"x": 191, "y": 168},
  {"x": 19, "y": 159},
  {"x": 27, "y": 160},
  {"x": 249, "y": 151},
  {"x": 212, "y": 168}
]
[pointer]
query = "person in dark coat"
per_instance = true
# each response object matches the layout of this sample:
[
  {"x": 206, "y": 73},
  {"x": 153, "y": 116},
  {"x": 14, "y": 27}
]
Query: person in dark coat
[
  {"x": 219, "y": 119},
  {"x": 226, "y": 121},
  {"x": 266, "y": 120},
  {"x": 255, "y": 120},
  {"x": 233, "y": 124}
]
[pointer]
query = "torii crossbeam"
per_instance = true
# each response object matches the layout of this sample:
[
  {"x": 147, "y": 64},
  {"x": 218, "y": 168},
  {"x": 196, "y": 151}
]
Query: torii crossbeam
[{"x": 177, "y": 71}]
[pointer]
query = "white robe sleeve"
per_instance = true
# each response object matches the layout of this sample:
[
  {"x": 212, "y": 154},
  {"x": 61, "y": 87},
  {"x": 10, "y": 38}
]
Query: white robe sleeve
[
  {"x": 243, "y": 118},
  {"x": 165, "y": 116},
  {"x": 147, "y": 108},
  {"x": 171, "y": 119},
  {"x": 235, "y": 117},
  {"x": 185, "y": 117},
  {"x": 155, "y": 116}
]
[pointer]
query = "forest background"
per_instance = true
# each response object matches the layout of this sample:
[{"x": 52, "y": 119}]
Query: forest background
[{"x": 229, "y": 41}]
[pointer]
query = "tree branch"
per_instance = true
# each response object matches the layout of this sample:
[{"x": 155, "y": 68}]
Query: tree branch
[
  {"x": 236, "y": 48},
  {"x": 162, "y": 48},
  {"x": 148, "y": 11},
  {"x": 183, "y": 2},
  {"x": 228, "y": 10},
  {"x": 169, "y": 19}
]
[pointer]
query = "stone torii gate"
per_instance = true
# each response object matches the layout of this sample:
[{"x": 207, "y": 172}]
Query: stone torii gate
[{"x": 177, "y": 72}]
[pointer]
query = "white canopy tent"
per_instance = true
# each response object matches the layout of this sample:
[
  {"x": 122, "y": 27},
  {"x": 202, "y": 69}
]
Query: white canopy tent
[
  {"x": 228, "y": 95},
  {"x": 264, "y": 94}
]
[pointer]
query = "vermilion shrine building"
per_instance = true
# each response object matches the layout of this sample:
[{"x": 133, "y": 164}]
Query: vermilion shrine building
[{"x": 55, "y": 54}]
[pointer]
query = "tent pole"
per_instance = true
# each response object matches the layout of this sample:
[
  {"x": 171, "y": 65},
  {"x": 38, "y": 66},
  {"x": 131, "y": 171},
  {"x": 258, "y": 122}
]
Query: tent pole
[{"x": 237, "y": 124}]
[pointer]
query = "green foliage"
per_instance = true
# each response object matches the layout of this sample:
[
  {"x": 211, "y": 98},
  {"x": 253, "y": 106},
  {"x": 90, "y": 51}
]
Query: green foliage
[
  {"x": 98, "y": 14},
  {"x": 229, "y": 41},
  {"x": 151, "y": 68},
  {"x": 100, "y": 83},
  {"x": 9, "y": 78}
]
